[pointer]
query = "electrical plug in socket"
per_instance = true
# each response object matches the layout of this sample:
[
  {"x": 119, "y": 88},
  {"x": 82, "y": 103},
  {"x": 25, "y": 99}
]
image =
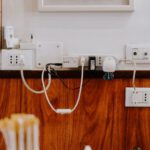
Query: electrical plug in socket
[
  {"x": 92, "y": 63},
  {"x": 99, "y": 60}
]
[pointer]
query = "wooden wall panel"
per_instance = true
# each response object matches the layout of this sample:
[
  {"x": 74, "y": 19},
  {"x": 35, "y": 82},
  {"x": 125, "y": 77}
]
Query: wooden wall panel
[{"x": 101, "y": 119}]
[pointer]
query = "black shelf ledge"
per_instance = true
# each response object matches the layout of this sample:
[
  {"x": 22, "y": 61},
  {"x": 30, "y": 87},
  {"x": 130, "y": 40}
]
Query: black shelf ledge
[{"x": 75, "y": 74}]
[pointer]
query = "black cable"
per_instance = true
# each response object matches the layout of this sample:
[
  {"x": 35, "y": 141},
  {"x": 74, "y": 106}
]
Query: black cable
[{"x": 55, "y": 73}]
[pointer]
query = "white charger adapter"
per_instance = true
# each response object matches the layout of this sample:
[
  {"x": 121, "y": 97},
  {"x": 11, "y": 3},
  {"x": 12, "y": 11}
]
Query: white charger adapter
[{"x": 109, "y": 64}]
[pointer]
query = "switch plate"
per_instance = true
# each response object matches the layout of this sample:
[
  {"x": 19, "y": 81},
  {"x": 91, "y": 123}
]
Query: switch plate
[
  {"x": 137, "y": 98},
  {"x": 10, "y": 59},
  {"x": 139, "y": 53}
]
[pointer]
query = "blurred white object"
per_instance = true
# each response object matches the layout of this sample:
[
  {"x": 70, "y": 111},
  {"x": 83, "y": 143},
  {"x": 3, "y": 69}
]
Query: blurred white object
[
  {"x": 21, "y": 132},
  {"x": 87, "y": 147},
  {"x": 109, "y": 64},
  {"x": 9, "y": 36},
  {"x": 16, "y": 43},
  {"x": 27, "y": 46}
]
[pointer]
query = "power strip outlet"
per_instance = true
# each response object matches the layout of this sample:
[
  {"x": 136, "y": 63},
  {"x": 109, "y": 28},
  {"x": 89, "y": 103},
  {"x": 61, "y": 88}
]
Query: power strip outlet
[
  {"x": 70, "y": 62},
  {"x": 139, "y": 97},
  {"x": 99, "y": 60},
  {"x": 11, "y": 59}
]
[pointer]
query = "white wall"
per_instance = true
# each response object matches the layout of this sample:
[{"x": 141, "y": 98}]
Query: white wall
[{"x": 82, "y": 33}]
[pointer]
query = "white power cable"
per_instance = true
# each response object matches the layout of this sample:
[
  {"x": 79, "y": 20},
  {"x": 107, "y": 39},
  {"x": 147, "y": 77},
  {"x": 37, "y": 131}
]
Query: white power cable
[
  {"x": 134, "y": 71},
  {"x": 26, "y": 84},
  {"x": 65, "y": 111}
]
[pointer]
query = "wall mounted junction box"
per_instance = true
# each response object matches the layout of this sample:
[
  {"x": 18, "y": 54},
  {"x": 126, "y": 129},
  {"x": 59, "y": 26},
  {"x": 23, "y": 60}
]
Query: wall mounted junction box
[{"x": 48, "y": 52}]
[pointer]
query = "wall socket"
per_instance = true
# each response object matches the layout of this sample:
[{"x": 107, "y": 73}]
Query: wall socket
[
  {"x": 70, "y": 62},
  {"x": 74, "y": 61},
  {"x": 99, "y": 60},
  {"x": 139, "y": 97},
  {"x": 10, "y": 59},
  {"x": 139, "y": 53}
]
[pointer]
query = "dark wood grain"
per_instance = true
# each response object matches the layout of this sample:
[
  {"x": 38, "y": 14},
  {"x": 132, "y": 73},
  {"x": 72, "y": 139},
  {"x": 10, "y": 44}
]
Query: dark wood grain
[
  {"x": 101, "y": 120},
  {"x": 75, "y": 74}
]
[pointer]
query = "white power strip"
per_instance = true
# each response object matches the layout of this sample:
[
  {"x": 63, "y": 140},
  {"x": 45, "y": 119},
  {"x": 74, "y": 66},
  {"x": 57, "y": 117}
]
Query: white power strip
[
  {"x": 139, "y": 97},
  {"x": 70, "y": 62}
]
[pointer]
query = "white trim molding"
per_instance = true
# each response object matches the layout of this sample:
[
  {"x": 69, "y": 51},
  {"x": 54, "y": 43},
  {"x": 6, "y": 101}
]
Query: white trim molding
[{"x": 84, "y": 8}]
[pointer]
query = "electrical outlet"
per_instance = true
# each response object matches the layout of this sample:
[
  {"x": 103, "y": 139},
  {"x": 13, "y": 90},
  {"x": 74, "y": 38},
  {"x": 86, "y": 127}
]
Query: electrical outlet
[
  {"x": 13, "y": 59},
  {"x": 138, "y": 53},
  {"x": 10, "y": 59},
  {"x": 70, "y": 62},
  {"x": 86, "y": 60},
  {"x": 99, "y": 61},
  {"x": 139, "y": 97}
]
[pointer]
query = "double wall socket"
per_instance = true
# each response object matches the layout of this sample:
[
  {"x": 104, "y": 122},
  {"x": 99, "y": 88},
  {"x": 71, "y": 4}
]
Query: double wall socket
[
  {"x": 10, "y": 59},
  {"x": 99, "y": 60},
  {"x": 138, "y": 53},
  {"x": 139, "y": 97}
]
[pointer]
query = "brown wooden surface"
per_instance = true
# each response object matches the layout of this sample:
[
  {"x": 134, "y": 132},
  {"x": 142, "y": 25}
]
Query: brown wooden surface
[{"x": 101, "y": 120}]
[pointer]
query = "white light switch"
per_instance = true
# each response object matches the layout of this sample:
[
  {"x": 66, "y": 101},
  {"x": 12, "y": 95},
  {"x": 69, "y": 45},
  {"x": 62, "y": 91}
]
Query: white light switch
[{"x": 139, "y": 97}]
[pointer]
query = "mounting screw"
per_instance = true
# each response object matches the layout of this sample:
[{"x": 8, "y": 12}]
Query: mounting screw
[
  {"x": 58, "y": 46},
  {"x": 39, "y": 64}
]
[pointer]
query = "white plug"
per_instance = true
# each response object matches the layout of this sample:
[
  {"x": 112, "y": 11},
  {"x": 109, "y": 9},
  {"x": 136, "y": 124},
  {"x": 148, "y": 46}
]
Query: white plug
[
  {"x": 22, "y": 60},
  {"x": 87, "y": 147},
  {"x": 82, "y": 61}
]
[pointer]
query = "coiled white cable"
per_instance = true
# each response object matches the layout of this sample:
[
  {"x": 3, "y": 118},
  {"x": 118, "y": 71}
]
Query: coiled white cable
[
  {"x": 65, "y": 111},
  {"x": 26, "y": 84}
]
